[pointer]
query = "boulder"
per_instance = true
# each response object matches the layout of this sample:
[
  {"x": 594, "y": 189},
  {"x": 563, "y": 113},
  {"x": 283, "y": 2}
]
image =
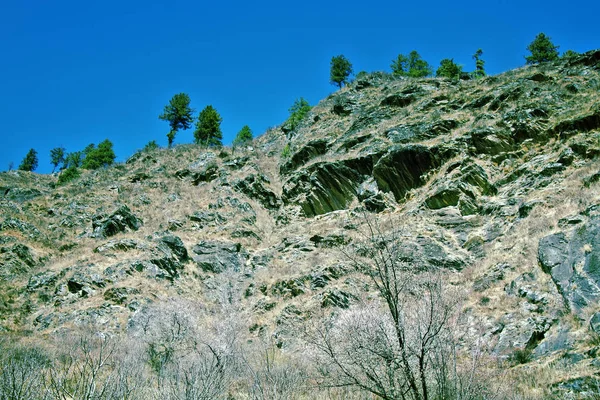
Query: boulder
[
  {"x": 119, "y": 221},
  {"x": 571, "y": 259},
  {"x": 216, "y": 256},
  {"x": 254, "y": 187},
  {"x": 172, "y": 246}
]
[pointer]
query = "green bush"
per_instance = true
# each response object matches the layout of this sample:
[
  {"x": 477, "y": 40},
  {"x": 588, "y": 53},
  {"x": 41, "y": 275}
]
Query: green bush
[
  {"x": 68, "y": 175},
  {"x": 286, "y": 152},
  {"x": 98, "y": 157},
  {"x": 412, "y": 66},
  {"x": 298, "y": 111},
  {"x": 449, "y": 69},
  {"x": 151, "y": 146}
]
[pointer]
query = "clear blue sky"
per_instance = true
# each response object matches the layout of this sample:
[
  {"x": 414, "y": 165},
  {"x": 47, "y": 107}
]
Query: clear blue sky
[{"x": 78, "y": 72}]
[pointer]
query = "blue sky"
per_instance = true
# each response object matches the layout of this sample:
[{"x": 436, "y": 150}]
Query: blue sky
[{"x": 78, "y": 72}]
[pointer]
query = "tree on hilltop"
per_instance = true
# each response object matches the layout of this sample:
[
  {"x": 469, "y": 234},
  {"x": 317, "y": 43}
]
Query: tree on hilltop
[
  {"x": 340, "y": 70},
  {"x": 542, "y": 50},
  {"x": 449, "y": 69},
  {"x": 298, "y": 111},
  {"x": 101, "y": 156},
  {"x": 30, "y": 162},
  {"x": 208, "y": 127},
  {"x": 57, "y": 156},
  {"x": 179, "y": 115},
  {"x": 244, "y": 136},
  {"x": 479, "y": 63},
  {"x": 412, "y": 65}
]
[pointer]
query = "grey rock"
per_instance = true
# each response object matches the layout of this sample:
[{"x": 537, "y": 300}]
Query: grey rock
[
  {"x": 571, "y": 259},
  {"x": 118, "y": 245},
  {"x": 254, "y": 186},
  {"x": 306, "y": 153},
  {"x": 216, "y": 256},
  {"x": 119, "y": 221}
]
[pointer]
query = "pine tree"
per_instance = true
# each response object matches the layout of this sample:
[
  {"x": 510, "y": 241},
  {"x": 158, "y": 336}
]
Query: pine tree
[
  {"x": 208, "y": 127},
  {"x": 413, "y": 66},
  {"x": 179, "y": 115},
  {"x": 101, "y": 156},
  {"x": 449, "y": 69},
  {"x": 542, "y": 50},
  {"x": 340, "y": 70},
  {"x": 57, "y": 156},
  {"x": 479, "y": 63},
  {"x": 243, "y": 137},
  {"x": 298, "y": 111},
  {"x": 30, "y": 162}
]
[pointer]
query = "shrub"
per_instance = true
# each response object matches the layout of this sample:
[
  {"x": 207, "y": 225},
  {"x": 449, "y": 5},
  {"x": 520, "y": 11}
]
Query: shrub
[
  {"x": 521, "y": 356},
  {"x": 151, "y": 146},
  {"x": 298, "y": 111},
  {"x": 68, "y": 175},
  {"x": 449, "y": 69},
  {"x": 286, "y": 152},
  {"x": 101, "y": 156},
  {"x": 413, "y": 66}
]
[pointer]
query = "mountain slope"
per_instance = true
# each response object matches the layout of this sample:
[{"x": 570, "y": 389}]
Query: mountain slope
[{"x": 493, "y": 181}]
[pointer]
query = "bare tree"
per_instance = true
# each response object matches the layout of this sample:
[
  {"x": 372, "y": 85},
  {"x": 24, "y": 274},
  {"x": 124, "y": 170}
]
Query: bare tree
[
  {"x": 21, "y": 372},
  {"x": 401, "y": 346}
]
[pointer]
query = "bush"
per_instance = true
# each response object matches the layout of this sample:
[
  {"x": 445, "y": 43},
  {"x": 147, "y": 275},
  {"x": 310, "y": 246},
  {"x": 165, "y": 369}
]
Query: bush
[
  {"x": 101, "y": 156},
  {"x": 286, "y": 152},
  {"x": 68, "y": 175},
  {"x": 298, "y": 111},
  {"x": 413, "y": 66},
  {"x": 449, "y": 69},
  {"x": 151, "y": 146},
  {"x": 521, "y": 356}
]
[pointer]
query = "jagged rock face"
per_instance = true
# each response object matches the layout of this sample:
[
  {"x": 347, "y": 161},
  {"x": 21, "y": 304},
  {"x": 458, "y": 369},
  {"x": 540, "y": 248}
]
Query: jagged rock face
[
  {"x": 254, "y": 186},
  {"x": 215, "y": 256},
  {"x": 572, "y": 259},
  {"x": 404, "y": 168},
  {"x": 487, "y": 180},
  {"x": 119, "y": 221}
]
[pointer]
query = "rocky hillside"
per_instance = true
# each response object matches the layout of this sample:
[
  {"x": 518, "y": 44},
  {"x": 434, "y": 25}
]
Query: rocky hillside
[{"x": 494, "y": 182}]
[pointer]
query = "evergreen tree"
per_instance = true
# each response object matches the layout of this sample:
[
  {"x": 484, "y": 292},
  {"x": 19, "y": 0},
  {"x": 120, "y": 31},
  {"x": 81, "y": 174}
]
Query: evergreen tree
[
  {"x": 413, "y": 66},
  {"x": 449, "y": 69},
  {"x": 30, "y": 162},
  {"x": 243, "y": 137},
  {"x": 208, "y": 128},
  {"x": 298, "y": 111},
  {"x": 57, "y": 156},
  {"x": 479, "y": 63},
  {"x": 569, "y": 54},
  {"x": 542, "y": 49},
  {"x": 179, "y": 115},
  {"x": 101, "y": 156},
  {"x": 340, "y": 70},
  {"x": 73, "y": 160}
]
